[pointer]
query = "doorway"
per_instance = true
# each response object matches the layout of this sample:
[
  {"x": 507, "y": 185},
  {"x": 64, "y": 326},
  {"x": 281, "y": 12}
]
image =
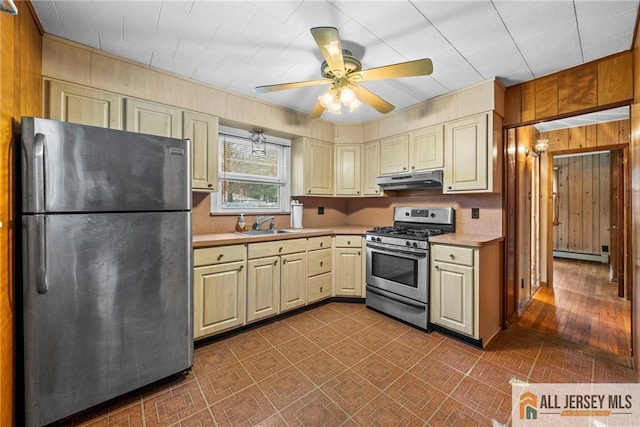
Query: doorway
[{"x": 532, "y": 223}]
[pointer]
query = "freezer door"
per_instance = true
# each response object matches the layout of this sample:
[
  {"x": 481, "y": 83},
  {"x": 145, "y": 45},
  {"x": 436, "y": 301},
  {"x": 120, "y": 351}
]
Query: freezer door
[
  {"x": 68, "y": 167},
  {"x": 108, "y": 308}
]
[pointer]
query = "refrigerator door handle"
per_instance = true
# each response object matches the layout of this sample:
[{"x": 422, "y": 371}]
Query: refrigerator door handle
[
  {"x": 40, "y": 254},
  {"x": 37, "y": 177}
]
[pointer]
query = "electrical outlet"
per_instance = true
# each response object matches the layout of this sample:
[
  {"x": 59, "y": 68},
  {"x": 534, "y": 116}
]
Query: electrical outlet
[
  {"x": 475, "y": 213},
  {"x": 320, "y": 210}
]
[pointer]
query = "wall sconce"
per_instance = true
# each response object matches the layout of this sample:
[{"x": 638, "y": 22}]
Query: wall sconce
[
  {"x": 542, "y": 145},
  {"x": 258, "y": 142}
]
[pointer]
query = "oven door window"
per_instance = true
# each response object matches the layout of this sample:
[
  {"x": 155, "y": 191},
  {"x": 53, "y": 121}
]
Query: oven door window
[{"x": 395, "y": 268}]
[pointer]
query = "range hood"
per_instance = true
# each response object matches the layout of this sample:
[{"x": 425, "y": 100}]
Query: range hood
[{"x": 411, "y": 181}]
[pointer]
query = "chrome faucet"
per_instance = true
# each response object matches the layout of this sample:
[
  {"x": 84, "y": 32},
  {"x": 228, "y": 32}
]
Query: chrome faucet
[{"x": 261, "y": 220}]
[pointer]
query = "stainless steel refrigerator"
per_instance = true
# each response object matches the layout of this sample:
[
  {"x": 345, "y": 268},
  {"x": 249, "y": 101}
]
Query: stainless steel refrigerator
[{"x": 106, "y": 264}]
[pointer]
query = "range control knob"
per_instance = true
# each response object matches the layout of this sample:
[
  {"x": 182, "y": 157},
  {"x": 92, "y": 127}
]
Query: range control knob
[
  {"x": 408, "y": 243},
  {"x": 378, "y": 239},
  {"x": 432, "y": 215},
  {"x": 415, "y": 244}
]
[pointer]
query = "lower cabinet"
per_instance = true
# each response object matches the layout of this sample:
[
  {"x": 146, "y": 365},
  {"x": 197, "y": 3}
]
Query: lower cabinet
[
  {"x": 219, "y": 289},
  {"x": 348, "y": 266},
  {"x": 293, "y": 281},
  {"x": 465, "y": 289},
  {"x": 263, "y": 288}
]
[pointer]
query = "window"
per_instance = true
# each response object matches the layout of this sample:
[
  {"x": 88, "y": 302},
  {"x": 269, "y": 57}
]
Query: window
[{"x": 250, "y": 182}]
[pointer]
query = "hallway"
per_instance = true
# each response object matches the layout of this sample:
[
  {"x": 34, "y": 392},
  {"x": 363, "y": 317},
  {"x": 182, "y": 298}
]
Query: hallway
[{"x": 582, "y": 308}]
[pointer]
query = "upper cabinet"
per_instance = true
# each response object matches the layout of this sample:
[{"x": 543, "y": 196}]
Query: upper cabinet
[
  {"x": 86, "y": 106},
  {"x": 348, "y": 178},
  {"x": 394, "y": 154},
  {"x": 311, "y": 167},
  {"x": 426, "y": 148},
  {"x": 202, "y": 130},
  {"x": 371, "y": 168},
  {"x": 469, "y": 148},
  {"x": 153, "y": 119},
  {"x": 421, "y": 149}
]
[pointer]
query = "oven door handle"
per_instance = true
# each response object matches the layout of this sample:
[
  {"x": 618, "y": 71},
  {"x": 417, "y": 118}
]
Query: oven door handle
[
  {"x": 394, "y": 250},
  {"x": 403, "y": 300}
]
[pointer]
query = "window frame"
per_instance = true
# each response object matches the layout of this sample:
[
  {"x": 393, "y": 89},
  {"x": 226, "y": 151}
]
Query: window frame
[{"x": 283, "y": 181}]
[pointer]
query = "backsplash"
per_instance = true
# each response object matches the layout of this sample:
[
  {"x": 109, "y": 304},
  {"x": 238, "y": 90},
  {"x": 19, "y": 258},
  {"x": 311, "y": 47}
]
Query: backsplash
[{"x": 363, "y": 211}]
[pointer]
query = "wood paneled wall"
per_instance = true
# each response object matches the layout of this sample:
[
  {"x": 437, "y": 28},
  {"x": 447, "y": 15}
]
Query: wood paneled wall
[
  {"x": 634, "y": 166},
  {"x": 595, "y": 136},
  {"x": 20, "y": 95},
  {"x": 588, "y": 87},
  {"x": 584, "y": 203}
]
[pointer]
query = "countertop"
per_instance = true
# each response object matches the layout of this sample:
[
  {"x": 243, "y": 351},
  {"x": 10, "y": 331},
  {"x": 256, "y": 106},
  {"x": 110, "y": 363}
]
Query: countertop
[
  {"x": 461, "y": 239},
  {"x": 222, "y": 239}
]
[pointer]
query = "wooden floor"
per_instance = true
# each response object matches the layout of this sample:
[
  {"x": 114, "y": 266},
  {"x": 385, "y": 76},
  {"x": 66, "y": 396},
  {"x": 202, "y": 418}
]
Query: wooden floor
[{"x": 582, "y": 307}]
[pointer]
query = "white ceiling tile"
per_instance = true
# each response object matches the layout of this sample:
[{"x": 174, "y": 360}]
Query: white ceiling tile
[
  {"x": 260, "y": 31},
  {"x": 143, "y": 33},
  {"x": 526, "y": 20},
  {"x": 316, "y": 14},
  {"x": 197, "y": 55},
  {"x": 210, "y": 76},
  {"x": 280, "y": 10},
  {"x": 172, "y": 65},
  {"x": 184, "y": 25},
  {"x": 232, "y": 16},
  {"x": 129, "y": 51},
  {"x": 225, "y": 44},
  {"x": 499, "y": 58}
]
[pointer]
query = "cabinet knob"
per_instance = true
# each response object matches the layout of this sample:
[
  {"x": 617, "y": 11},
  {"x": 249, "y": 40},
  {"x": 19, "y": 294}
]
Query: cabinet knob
[
  {"x": 220, "y": 257},
  {"x": 321, "y": 263},
  {"x": 321, "y": 243},
  {"x": 280, "y": 249},
  {"x": 448, "y": 187},
  {"x": 321, "y": 289},
  {"x": 308, "y": 191},
  {"x": 376, "y": 191},
  {"x": 209, "y": 185},
  {"x": 413, "y": 167},
  {"x": 240, "y": 268},
  {"x": 358, "y": 252},
  {"x": 275, "y": 262},
  {"x": 404, "y": 168},
  {"x": 348, "y": 242},
  {"x": 357, "y": 192},
  {"x": 452, "y": 256},
  {"x": 284, "y": 261},
  {"x": 438, "y": 267}
]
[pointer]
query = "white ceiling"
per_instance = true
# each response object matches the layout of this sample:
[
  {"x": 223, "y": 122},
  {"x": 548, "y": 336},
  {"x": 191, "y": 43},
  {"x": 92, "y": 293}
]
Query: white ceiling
[{"x": 237, "y": 45}]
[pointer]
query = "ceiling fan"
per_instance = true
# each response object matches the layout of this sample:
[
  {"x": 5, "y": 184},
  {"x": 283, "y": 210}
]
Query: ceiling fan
[{"x": 343, "y": 72}]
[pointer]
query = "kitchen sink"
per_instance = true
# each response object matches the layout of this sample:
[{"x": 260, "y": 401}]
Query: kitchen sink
[{"x": 263, "y": 232}]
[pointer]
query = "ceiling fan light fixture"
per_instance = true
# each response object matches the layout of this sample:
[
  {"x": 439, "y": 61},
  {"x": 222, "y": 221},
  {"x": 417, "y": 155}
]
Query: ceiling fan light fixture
[
  {"x": 347, "y": 96},
  {"x": 354, "y": 104},
  {"x": 335, "y": 107},
  {"x": 326, "y": 98}
]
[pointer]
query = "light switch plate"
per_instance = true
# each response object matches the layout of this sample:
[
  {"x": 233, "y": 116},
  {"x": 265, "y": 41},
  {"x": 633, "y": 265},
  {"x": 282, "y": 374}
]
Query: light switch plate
[{"x": 475, "y": 213}]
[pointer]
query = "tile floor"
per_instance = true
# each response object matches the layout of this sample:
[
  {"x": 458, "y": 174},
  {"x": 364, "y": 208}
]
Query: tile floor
[{"x": 343, "y": 364}]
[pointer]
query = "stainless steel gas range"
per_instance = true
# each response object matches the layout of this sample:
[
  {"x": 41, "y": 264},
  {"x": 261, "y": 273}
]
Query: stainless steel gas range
[{"x": 398, "y": 262}]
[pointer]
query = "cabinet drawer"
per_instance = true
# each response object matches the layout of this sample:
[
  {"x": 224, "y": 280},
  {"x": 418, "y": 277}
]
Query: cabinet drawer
[
  {"x": 218, "y": 255},
  {"x": 280, "y": 247},
  {"x": 322, "y": 242},
  {"x": 352, "y": 241},
  {"x": 319, "y": 287},
  {"x": 452, "y": 254},
  {"x": 319, "y": 262}
]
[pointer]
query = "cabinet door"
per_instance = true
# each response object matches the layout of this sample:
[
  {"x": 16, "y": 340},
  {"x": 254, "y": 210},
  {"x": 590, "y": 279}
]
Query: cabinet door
[
  {"x": 263, "y": 288},
  {"x": 348, "y": 159},
  {"x": 426, "y": 148},
  {"x": 77, "y": 104},
  {"x": 452, "y": 297},
  {"x": 219, "y": 295},
  {"x": 394, "y": 154},
  {"x": 371, "y": 168},
  {"x": 202, "y": 130},
  {"x": 153, "y": 119},
  {"x": 293, "y": 281},
  {"x": 466, "y": 155},
  {"x": 319, "y": 168},
  {"x": 348, "y": 268}
]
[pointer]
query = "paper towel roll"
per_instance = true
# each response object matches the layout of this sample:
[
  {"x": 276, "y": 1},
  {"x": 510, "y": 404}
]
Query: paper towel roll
[{"x": 296, "y": 214}]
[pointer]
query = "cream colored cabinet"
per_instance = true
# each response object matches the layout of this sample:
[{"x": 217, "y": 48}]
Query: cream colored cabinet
[
  {"x": 86, "y": 106},
  {"x": 348, "y": 266},
  {"x": 348, "y": 177},
  {"x": 465, "y": 289},
  {"x": 394, "y": 154},
  {"x": 202, "y": 130},
  {"x": 312, "y": 167},
  {"x": 263, "y": 288},
  {"x": 153, "y": 119},
  {"x": 219, "y": 289},
  {"x": 371, "y": 168},
  {"x": 468, "y": 164},
  {"x": 320, "y": 257},
  {"x": 293, "y": 281},
  {"x": 426, "y": 148},
  {"x": 277, "y": 278}
]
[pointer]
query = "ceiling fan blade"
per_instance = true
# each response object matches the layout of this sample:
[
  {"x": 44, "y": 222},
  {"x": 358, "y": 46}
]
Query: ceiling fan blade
[
  {"x": 328, "y": 41},
  {"x": 372, "y": 99},
  {"x": 420, "y": 67},
  {"x": 292, "y": 85},
  {"x": 316, "y": 112}
]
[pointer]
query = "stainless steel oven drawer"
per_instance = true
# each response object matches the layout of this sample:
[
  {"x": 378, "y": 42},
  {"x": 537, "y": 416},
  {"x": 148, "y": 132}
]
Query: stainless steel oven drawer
[{"x": 399, "y": 307}]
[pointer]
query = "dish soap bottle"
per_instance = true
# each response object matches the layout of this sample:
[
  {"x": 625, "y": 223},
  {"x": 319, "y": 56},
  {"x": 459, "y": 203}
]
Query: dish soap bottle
[{"x": 241, "y": 225}]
